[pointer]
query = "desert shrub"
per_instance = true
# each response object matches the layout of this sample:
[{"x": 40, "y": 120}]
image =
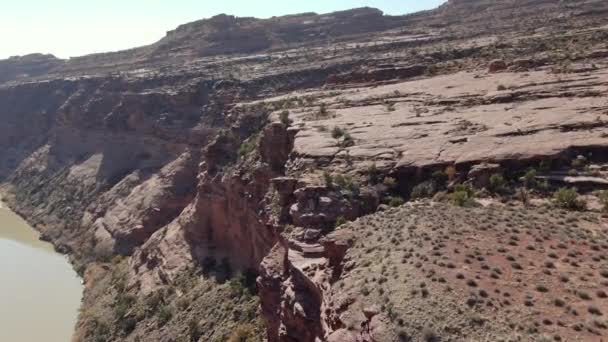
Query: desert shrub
[
  {"x": 323, "y": 110},
  {"x": 155, "y": 300},
  {"x": 567, "y": 198},
  {"x": 195, "y": 330},
  {"x": 122, "y": 304},
  {"x": 347, "y": 140},
  {"x": 497, "y": 182},
  {"x": 340, "y": 221},
  {"x": 463, "y": 195},
  {"x": 579, "y": 162},
  {"x": 390, "y": 182},
  {"x": 248, "y": 146},
  {"x": 243, "y": 283},
  {"x": 244, "y": 333},
  {"x": 328, "y": 179},
  {"x": 530, "y": 178},
  {"x": 603, "y": 196},
  {"x": 373, "y": 174},
  {"x": 464, "y": 188},
  {"x": 337, "y": 132},
  {"x": 284, "y": 117},
  {"x": 164, "y": 315},
  {"x": 341, "y": 180},
  {"x": 127, "y": 325},
  {"x": 395, "y": 201},
  {"x": 347, "y": 183},
  {"x": 97, "y": 331},
  {"x": 424, "y": 190}
]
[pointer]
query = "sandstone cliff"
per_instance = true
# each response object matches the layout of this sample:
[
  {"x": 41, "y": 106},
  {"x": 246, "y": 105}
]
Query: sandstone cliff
[{"x": 197, "y": 183}]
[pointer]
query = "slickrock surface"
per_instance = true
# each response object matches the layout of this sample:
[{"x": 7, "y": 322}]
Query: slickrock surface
[{"x": 203, "y": 185}]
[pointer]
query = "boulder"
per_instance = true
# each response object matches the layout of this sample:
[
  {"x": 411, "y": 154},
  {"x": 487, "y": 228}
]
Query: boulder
[{"x": 497, "y": 65}]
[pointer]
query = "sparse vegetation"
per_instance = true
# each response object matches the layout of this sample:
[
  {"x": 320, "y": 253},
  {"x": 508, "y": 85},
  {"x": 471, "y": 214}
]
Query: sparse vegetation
[
  {"x": 340, "y": 221},
  {"x": 248, "y": 146},
  {"x": 390, "y": 107},
  {"x": 284, "y": 117},
  {"x": 373, "y": 174},
  {"x": 497, "y": 183},
  {"x": 603, "y": 197},
  {"x": 530, "y": 179},
  {"x": 328, "y": 179},
  {"x": 424, "y": 190},
  {"x": 395, "y": 201},
  {"x": 347, "y": 140},
  {"x": 463, "y": 195},
  {"x": 567, "y": 198},
  {"x": 337, "y": 132}
]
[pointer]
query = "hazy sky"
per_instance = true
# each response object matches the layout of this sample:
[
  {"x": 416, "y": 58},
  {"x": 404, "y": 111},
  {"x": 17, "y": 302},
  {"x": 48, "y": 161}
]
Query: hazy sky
[{"x": 76, "y": 27}]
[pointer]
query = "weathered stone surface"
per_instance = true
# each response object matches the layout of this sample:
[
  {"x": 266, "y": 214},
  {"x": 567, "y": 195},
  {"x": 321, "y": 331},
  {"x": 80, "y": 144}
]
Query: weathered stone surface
[
  {"x": 142, "y": 152},
  {"x": 479, "y": 175},
  {"x": 497, "y": 65}
]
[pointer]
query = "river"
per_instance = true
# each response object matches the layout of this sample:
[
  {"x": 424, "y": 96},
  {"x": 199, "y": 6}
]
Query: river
[{"x": 39, "y": 291}]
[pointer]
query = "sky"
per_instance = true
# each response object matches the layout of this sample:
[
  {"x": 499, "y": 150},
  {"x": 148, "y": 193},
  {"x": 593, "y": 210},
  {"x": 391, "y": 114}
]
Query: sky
[{"x": 69, "y": 28}]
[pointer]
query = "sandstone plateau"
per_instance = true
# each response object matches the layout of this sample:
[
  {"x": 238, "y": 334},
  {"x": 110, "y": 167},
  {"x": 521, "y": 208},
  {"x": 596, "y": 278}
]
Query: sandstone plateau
[{"x": 352, "y": 176}]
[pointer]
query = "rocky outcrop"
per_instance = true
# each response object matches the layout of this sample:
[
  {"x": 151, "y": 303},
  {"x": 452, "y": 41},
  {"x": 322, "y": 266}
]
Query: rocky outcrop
[
  {"x": 27, "y": 66},
  {"x": 320, "y": 207},
  {"x": 295, "y": 286}
]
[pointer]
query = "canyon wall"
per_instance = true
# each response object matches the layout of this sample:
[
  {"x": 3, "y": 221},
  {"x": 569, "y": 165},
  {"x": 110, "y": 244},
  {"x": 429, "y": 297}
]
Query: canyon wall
[{"x": 243, "y": 143}]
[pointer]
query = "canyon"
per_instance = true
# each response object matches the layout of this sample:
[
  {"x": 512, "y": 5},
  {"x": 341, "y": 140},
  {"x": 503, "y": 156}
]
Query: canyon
[{"x": 350, "y": 176}]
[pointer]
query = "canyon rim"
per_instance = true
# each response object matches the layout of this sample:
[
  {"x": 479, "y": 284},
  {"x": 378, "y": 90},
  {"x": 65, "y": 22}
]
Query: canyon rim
[{"x": 351, "y": 176}]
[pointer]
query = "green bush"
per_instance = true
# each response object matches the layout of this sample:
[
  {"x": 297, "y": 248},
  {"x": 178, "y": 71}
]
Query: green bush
[
  {"x": 497, "y": 182},
  {"x": 347, "y": 183},
  {"x": 285, "y": 120},
  {"x": 340, "y": 221},
  {"x": 567, "y": 198},
  {"x": 579, "y": 162},
  {"x": 373, "y": 174},
  {"x": 464, "y": 188},
  {"x": 395, "y": 201},
  {"x": 248, "y": 146},
  {"x": 329, "y": 181},
  {"x": 530, "y": 178},
  {"x": 424, "y": 190},
  {"x": 463, "y": 195},
  {"x": 164, "y": 315}
]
